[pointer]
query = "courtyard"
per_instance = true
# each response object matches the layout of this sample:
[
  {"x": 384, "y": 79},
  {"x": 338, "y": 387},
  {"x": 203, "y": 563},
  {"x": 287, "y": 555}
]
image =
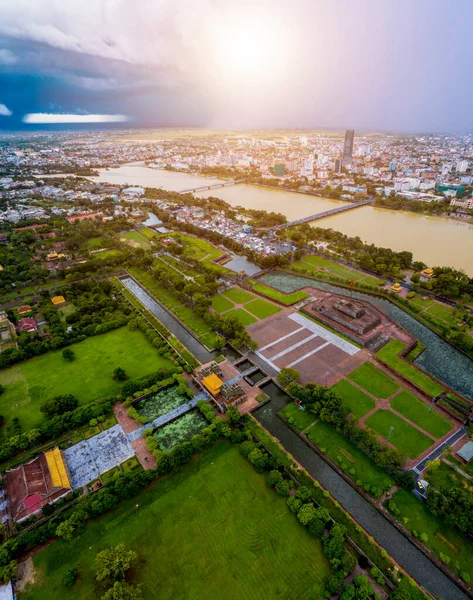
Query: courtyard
[{"x": 289, "y": 339}]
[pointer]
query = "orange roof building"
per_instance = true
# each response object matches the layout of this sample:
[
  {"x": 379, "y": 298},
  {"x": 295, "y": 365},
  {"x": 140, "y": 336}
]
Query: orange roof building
[
  {"x": 213, "y": 384},
  {"x": 58, "y": 300}
]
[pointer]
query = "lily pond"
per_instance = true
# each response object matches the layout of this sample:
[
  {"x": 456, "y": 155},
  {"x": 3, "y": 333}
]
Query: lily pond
[
  {"x": 160, "y": 404},
  {"x": 180, "y": 430}
]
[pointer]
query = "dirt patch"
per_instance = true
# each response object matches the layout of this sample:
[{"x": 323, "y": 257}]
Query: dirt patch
[{"x": 25, "y": 575}]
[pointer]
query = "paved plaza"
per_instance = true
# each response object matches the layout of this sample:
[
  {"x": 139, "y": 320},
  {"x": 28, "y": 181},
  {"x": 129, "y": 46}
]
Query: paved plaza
[{"x": 289, "y": 339}]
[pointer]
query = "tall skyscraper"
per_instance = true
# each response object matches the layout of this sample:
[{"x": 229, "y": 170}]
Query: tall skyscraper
[
  {"x": 338, "y": 165},
  {"x": 348, "y": 146}
]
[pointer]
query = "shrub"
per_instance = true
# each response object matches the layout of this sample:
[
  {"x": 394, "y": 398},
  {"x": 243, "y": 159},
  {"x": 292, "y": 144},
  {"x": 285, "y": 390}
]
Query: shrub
[{"x": 70, "y": 577}]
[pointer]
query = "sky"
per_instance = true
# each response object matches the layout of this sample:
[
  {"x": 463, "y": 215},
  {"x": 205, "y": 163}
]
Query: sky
[{"x": 398, "y": 65}]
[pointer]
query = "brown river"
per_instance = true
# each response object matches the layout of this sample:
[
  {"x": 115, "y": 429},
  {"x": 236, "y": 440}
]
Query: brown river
[{"x": 434, "y": 240}]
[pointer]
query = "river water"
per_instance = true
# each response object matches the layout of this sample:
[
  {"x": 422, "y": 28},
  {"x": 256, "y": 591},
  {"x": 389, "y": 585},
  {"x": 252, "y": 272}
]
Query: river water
[
  {"x": 434, "y": 240},
  {"x": 412, "y": 559}
]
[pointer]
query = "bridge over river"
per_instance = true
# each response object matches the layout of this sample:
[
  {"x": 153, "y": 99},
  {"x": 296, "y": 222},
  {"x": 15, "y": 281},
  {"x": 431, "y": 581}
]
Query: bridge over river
[
  {"x": 214, "y": 186},
  {"x": 325, "y": 213}
]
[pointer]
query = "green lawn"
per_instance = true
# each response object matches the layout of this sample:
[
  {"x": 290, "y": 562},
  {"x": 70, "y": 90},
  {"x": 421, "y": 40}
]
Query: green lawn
[
  {"x": 373, "y": 381},
  {"x": 135, "y": 239},
  {"x": 89, "y": 376},
  {"x": 442, "y": 538},
  {"x": 318, "y": 262},
  {"x": 220, "y": 304},
  {"x": 244, "y": 317},
  {"x": 389, "y": 355},
  {"x": 358, "y": 403},
  {"x": 353, "y": 461},
  {"x": 238, "y": 296},
  {"x": 108, "y": 253},
  {"x": 95, "y": 243},
  {"x": 299, "y": 419},
  {"x": 418, "y": 412},
  {"x": 261, "y": 308},
  {"x": 286, "y": 299},
  {"x": 408, "y": 439},
  {"x": 212, "y": 528},
  {"x": 174, "y": 304}
]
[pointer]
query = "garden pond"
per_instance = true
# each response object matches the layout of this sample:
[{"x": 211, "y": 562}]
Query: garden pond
[
  {"x": 160, "y": 404},
  {"x": 181, "y": 430}
]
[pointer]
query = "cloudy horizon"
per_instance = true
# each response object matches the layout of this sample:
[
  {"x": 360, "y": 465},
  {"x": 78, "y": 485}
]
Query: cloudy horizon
[{"x": 252, "y": 64}]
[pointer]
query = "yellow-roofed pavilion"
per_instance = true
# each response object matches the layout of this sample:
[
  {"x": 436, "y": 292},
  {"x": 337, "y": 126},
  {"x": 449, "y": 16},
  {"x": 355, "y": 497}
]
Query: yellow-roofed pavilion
[
  {"x": 212, "y": 383},
  {"x": 58, "y": 469}
]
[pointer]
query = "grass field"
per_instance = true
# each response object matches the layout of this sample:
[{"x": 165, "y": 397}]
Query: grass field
[
  {"x": 244, "y": 317},
  {"x": 255, "y": 308},
  {"x": 108, "y": 253},
  {"x": 94, "y": 243},
  {"x": 135, "y": 239},
  {"x": 238, "y": 296},
  {"x": 406, "y": 438},
  {"x": 220, "y": 304},
  {"x": 88, "y": 377},
  {"x": 389, "y": 355},
  {"x": 373, "y": 381},
  {"x": 299, "y": 419},
  {"x": 352, "y": 460},
  {"x": 442, "y": 538},
  {"x": 318, "y": 265},
  {"x": 211, "y": 529},
  {"x": 286, "y": 299},
  {"x": 174, "y": 304},
  {"x": 418, "y": 412},
  {"x": 358, "y": 403}
]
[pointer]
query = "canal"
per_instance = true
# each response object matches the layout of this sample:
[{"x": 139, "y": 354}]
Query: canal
[{"x": 400, "y": 548}]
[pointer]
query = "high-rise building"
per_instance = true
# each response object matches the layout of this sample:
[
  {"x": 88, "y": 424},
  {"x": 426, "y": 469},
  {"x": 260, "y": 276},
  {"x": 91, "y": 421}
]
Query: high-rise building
[
  {"x": 462, "y": 166},
  {"x": 392, "y": 165},
  {"x": 348, "y": 146},
  {"x": 338, "y": 165}
]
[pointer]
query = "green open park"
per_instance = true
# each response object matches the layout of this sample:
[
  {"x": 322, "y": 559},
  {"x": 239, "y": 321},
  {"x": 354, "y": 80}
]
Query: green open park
[
  {"x": 286, "y": 299},
  {"x": 353, "y": 461},
  {"x": 420, "y": 413},
  {"x": 442, "y": 538},
  {"x": 373, "y": 381},
  {"x": 252, "y": 307},
  {"x": 405, "y": 437},
  {"x": 298, "y": 418},
  {"x": 89, "y": 376},
  {"x": 211, "y": 529},
  {"x": 319, "y": 265},
  {"x": 357, "y": 401},
  {"x": 389, "y": 355},
  {"x": 136, "y": 239}
]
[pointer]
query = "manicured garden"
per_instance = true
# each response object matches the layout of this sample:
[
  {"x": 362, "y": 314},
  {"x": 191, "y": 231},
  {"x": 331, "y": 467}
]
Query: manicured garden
[
  {"x": 254, "y": 308},
  {"x": 299, "y": 419},
  {"x": 89, "y": 376},
  {"x": 286, "y": 299},
  {"x": 357, "y": 402},
  {"x": 420, "y": 413},
  {"x": 405, "y": 437},
  {"x": 373, "y": 381},
  {"x": 212, "y": 528},
  {"x": 353, "y": 461},
  {"x": 442, "y": 538},
  {"x": 389, "y": 355}
]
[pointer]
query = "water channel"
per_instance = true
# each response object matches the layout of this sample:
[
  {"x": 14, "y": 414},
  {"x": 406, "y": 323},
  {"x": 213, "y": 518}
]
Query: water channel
[
  {"x": 400, "y": 548},
  {"x": 412, "y": 559},
  {"x": 440, "y": 359},
  {"x": 434, "y": 240}
]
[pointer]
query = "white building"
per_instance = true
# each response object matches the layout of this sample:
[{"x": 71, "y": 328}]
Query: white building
[
  {"x": 462, "y": 166},
  {"x": 466, "y": 203}
]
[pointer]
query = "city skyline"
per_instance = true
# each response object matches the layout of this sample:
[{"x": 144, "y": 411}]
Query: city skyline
[{"x": 320, "y": 65}]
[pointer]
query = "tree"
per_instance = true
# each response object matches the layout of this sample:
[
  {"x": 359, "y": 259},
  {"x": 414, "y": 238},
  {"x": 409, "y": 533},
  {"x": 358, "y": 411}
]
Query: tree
[
  {"x": 68, "y": 354},
  {"x": 113, "y": 563},
  {"x": 306, "y": 514},
  {"x": 273, "y": 478},
  {"x": 121, "y": 590},
  {"x": 119, "y": 374},
  {"x": 58, "y": 405},
  {"x": 2, "y": 389},
  {"x": 287, "y": 375}
]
